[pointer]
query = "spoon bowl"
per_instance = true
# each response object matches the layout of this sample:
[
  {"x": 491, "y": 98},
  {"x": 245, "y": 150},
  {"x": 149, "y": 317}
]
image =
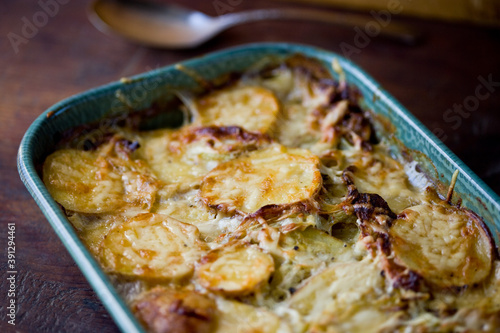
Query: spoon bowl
[
  {"x": 165, "y": 26},
  {"x": 174, "y": 27}
]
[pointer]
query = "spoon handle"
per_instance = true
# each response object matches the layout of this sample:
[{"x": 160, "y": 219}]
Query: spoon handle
[{"x": 391, "y": 30}]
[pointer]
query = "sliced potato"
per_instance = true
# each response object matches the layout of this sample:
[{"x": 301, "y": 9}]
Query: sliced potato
[
  {"x": 445, "y": 245},
  {"x": 376, "y": 172},
  {"x": 290, "y": 130},
  {"x": 235, "y": 269},
  {"x": 236, "y": 317},
  {"x": 311, "y": 247},
  {"x": 139, "y": 183},
  {"x": 185, "y": 211},
  {"x": 140, "y": 189},
  {"x": 152, "y": 246},
  {"x": 361, "y": 318},
  {"x": 165, "y": 310},
  {"x": 188, "y": 208},
  {"x": 253, "y": 108},
  {"x": 345, "y": 297},
  {"x": 271, "y": 176},
  {"x": 300, "y": 254},
  {"x": 83, "y": 181},
  {"x": 175, "y": 163},
  {"x": 337, "y": 288},
  {"x": 185, "y": 156},
  {"x": 105, "y": 180},
  {"x": 301, "y": 98},
  {"x": 185, "y": 207}
]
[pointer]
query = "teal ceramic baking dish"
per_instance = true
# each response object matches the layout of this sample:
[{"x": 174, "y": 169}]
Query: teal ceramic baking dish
[{"x": 154, "y": 88}]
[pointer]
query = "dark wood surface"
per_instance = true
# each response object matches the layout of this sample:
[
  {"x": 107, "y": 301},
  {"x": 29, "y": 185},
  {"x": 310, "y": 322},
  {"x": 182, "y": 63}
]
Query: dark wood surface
[{"x": 68, "y": 55}]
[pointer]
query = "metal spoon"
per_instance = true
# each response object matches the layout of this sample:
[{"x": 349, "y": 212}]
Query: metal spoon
[{"x": 174, "y": 27}]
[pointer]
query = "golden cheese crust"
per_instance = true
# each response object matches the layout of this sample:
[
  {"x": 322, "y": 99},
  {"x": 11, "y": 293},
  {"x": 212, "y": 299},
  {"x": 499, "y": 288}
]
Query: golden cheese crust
[
  {"x": 152, "y": 246},
  {"x": 234, "y": 269},
  {"x": 106, "y": 180},
  {"x": 184, "y": 157},
  {"x": 252, "y": 108},
  {"x": 277, "y": 207},
  {"x": 447, "y": 246},
  {"x": 273, "y": 176}
]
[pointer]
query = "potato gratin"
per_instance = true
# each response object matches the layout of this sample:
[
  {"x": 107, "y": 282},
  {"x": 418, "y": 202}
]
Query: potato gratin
[{"x": 276, "y": 208}]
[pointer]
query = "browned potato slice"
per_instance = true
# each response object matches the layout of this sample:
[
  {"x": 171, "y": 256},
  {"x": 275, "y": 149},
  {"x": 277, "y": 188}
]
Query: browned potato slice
[
  {"x": 81, "y": 181},
  {"x": 152, "y": 246},
  {"x": 163, "y": 310},
  {"x": 445, "y": 245},
  {"x": 253, "y": 108},
  {"x": 272, "y": 176},
  {"x": 105, "y": 180},
  {"x": 185, "y": 156},
  {"x": 176, "y": 163},
  {"x": 236, "y": 269}
]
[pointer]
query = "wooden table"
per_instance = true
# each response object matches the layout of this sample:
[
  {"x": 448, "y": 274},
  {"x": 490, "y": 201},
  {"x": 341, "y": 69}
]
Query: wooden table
[{"x": 67, "y": 55}]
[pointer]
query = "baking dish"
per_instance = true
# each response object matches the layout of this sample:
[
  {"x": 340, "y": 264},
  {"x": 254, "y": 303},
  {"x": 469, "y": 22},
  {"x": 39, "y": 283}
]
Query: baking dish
[{"x": 151, "y": 90}]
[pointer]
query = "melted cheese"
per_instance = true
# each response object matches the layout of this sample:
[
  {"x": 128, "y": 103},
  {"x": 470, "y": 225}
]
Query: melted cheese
[
  {"x": 102, "y": 181},
  {"x": 262, "y": 217},
  {"x": 253, "y": 108},
  {"x": 300, "y": 97},
  {"x": 235, "y": 269},
  {"x": 485, "y": 296},
  {"x": 377, "y": 173},
  {"x": 152, "y": 246},
  {"x": 79, "y": 181},
  {"x": 176, "y": 163},
  {"x": 273, "y": 176},
  {"x": 337, "y": 288},
  {"x": 185, "y": 156},
  {"x": 300, "y": 254},
  {"x": 242, "y": 318},
  {"x": 444, "y": 245}
]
